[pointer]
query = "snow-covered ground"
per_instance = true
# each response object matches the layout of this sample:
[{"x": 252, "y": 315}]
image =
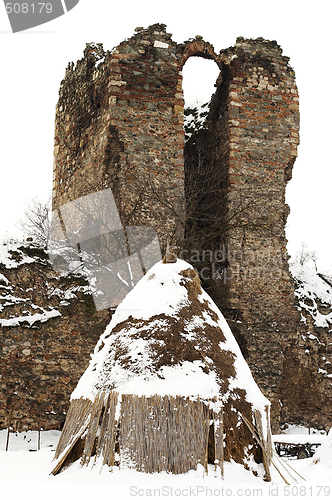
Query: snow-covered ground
[{"x": 25, "y": 474}]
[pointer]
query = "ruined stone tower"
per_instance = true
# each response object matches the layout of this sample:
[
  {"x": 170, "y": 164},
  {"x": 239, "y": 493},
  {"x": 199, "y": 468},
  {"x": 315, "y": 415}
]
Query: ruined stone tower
[
  {"x": 119, "y": 125},
  {"x": 250, "y": 138}
]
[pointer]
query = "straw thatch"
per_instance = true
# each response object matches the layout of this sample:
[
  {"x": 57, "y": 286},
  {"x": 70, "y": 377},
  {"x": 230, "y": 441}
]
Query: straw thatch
[{"x": 167, "y": 387}]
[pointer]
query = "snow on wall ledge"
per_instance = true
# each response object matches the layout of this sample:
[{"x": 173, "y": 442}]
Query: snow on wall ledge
[{"x": 14, "y": 302}]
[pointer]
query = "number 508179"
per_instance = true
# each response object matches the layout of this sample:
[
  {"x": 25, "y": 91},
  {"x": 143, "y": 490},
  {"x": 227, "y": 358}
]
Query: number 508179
[{"x": 28, "y": 8}]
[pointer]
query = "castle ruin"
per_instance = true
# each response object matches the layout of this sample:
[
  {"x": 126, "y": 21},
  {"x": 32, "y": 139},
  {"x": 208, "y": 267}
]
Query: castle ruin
[{"x": 120, "y": 124}]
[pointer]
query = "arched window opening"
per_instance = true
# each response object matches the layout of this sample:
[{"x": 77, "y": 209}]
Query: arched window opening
[
  {"x": 204, "y": 177},
  {"x": 199, "y": 78}
]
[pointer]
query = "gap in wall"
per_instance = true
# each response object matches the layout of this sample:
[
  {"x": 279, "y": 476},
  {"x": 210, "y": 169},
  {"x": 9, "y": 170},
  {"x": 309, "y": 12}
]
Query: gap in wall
[{"x": 199, "y": 78}]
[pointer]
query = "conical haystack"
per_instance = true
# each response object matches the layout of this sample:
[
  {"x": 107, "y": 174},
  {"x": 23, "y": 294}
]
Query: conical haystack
[{"x": 167, "y": 387}]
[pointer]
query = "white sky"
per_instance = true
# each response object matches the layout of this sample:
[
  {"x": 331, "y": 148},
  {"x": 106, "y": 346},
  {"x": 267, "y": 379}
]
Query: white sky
[{"x": 33, "y": 64}]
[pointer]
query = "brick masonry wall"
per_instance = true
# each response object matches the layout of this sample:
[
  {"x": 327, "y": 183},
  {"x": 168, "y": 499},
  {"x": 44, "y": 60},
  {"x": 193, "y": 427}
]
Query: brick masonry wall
[
  {"x": 249, "y": 145},
  {"x": 119, "y": 124},
  {"x": 263, "y": 124}
]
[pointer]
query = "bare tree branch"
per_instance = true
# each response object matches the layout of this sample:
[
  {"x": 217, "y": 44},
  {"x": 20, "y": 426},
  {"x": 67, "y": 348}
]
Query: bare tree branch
[{"x": 36, "y": 221}]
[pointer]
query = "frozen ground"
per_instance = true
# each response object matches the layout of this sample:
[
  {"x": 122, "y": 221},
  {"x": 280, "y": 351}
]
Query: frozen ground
[{"x": 25, "y": 474}]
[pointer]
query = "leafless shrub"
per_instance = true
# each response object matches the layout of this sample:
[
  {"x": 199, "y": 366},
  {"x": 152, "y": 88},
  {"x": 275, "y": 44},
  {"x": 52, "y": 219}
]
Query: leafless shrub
[{"x": 36, "y": 221}]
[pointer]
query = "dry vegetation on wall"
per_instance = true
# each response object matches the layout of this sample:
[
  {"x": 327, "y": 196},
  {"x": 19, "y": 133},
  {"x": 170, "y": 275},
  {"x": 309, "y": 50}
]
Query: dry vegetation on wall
[{"x": 153, "y": 434}]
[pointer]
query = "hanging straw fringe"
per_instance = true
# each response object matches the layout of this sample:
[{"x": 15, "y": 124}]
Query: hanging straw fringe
[
  {"x": 155, "y": 434},
  {"x": 163, "y": 433},
  {"x": 90, "y": 438},
  {"x": 77, "y": 413},
  {"x": 106, "y": 440},
  {"x": 76, "y": 423}
]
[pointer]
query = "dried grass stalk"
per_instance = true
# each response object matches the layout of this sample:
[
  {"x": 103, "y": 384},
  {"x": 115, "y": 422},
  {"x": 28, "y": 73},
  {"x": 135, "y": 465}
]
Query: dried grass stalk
[
  {"x": 219, "y": 440},
  {"x": 269, "y": 444},
  {"x": 78, "y": 411},
  {"x": 91, "y": 436},
  {"x": 106, "y": 440},
  {"x": 76, "y": 423},
  {"x": 267, "y": 453},
  {"x": 258, "y": 435}
]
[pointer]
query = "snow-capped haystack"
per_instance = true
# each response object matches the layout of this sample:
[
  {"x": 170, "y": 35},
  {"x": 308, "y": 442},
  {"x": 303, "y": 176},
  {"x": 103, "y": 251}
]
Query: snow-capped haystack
[{"x": 167, "y": 387}]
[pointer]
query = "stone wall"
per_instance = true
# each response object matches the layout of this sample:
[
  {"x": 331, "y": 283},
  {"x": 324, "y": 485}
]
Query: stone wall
[
  {"x": 306, "y": 389},
  {"x": 49, "y": 328},
  {"x": 119, "y": 125},
  {"x": 250, "y": 139}
]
